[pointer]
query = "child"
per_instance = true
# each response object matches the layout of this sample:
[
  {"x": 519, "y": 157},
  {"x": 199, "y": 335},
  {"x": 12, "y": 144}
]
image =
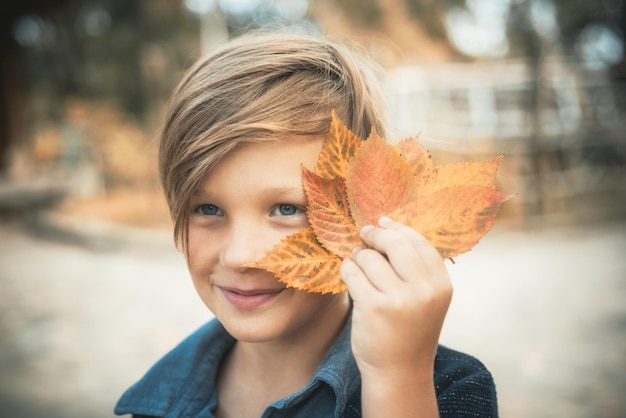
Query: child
[{"x": 240, "y": 125}]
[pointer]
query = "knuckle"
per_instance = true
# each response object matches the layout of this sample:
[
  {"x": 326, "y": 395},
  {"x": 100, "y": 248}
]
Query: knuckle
[
  {"x": 367, "y": 256},
  {"x": 396, "y": 303},
  {"x": 437, "y": 295},
  {"x": 348, "y": 269},
  {"x": 392, "y": 305},
  {"x": 396, "y": 241}
]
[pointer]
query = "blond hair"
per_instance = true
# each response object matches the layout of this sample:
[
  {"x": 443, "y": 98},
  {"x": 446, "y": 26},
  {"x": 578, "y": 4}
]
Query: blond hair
[{"x": 259, "y": 87}]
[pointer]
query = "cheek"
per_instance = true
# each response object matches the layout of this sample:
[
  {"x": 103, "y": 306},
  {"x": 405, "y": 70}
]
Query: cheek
[
  {"x": 199, "y": 254},
  {"x": 318, "y": 302},
  {"x": 200, "y": 268}
]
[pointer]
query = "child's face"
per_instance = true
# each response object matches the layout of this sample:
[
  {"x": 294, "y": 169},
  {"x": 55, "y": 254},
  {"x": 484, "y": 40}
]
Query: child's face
[{"x": 246, "y": 205}]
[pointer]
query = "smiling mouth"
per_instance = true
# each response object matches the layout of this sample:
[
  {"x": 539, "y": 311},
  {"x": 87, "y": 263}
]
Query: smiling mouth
[
  {"x": 250, "y": 299},
  {"x": 253, "y": 292}
]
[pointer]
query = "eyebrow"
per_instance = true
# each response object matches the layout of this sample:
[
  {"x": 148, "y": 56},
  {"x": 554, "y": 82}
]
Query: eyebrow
[
  {"x": 285, "y": 189},
  {"x": 279, "y": 190}
]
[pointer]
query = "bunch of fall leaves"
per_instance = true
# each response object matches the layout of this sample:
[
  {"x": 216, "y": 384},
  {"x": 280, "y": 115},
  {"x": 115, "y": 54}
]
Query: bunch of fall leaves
[{"x": 356, "y": 182}]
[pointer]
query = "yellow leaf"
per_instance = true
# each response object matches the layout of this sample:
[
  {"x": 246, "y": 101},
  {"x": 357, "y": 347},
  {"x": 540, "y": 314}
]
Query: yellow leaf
[
  {"x": 300, "y": 261},
  {"x": 461, "y": 174},
  {"x": 355, "y": 183},
  {"x": 338, "y": 148},
  {"x": 378, "y": 181},
  {"x": 453, "y": 219},
  {"x": 329, "y": 213},
  {"x": 416, "y": 156}
]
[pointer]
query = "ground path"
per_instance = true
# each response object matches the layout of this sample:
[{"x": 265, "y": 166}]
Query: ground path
[{"x": 544, "y": 309}]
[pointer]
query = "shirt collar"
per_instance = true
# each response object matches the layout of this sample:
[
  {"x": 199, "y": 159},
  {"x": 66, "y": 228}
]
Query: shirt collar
[
  {"x": 185, "y": 378},
  {"x": 338, "y": 370}
]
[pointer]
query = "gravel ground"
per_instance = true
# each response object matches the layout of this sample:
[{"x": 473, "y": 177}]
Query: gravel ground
[{"x": 82, "y": 317}]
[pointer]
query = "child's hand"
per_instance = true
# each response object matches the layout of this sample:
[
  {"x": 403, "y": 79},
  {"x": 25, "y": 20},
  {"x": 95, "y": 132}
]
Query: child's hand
[{"x": 401, "y": 292}]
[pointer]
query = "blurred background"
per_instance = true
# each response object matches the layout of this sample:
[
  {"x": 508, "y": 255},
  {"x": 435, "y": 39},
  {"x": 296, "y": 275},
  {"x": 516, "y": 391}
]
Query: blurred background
[{"x": 92, "y": 291}]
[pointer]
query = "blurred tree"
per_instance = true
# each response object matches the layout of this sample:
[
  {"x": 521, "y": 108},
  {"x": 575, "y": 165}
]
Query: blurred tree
[
  {"x": 592, "y": 33},
  {"x": 606, "y": 17},
  {"x": 591, "y": 36},
  {"x": 129, "y": 53},
  {"x": 12, "y": 66},
  {"x": 397, "y": 31},
  {"x": 528, "y": 41},
  {"x": 100, "y": 48},
  {"x": 431, "y": 15},
  {"x": 364, "y": 13}
]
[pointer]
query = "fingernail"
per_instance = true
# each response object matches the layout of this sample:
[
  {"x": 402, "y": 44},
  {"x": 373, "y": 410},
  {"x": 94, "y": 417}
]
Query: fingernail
[
  {"x": 384, "y": 220},
  {"x": 366, "y": 229},
  {"x": 356, "y": 249}
]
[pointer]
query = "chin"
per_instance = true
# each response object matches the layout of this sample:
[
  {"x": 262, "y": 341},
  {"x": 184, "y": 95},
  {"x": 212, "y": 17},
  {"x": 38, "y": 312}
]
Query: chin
[{"x": 253, "y": 333}]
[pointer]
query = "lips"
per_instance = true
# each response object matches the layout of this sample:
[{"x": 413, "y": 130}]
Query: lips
[
  {"x": 252, "y": 292},
  {"x": 249, "y": 299}
]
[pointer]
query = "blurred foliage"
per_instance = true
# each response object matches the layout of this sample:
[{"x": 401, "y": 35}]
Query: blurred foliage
[
  {"x": 107, "y": 160},
  {"x": 126, "y": 52},
  {"x": 431, "y": 14},
  {"x": 363, "y": 12},
  {"x": 125, "y": 153},
  {"x": 98, "y": 72},
  {"x": 574, "y": 15},
  {"x": 132, "y": 52}
]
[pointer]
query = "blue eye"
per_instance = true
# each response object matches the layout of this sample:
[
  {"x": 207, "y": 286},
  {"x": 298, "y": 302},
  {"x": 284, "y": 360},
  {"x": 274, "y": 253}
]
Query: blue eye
[
  {"x": 286, "y": 210},
  {"x": 209, "y": 210}
]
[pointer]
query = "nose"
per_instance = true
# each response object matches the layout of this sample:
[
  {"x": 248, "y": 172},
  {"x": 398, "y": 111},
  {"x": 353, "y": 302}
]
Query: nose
[{"x": 244, "y": 245}]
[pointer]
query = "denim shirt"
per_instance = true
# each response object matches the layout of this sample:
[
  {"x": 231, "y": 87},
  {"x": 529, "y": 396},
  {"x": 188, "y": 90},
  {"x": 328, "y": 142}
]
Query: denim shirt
[{"x": 183, "y": 383}]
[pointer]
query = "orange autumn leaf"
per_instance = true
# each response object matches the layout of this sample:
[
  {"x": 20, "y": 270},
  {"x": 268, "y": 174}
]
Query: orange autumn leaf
[
  {"x": 355, "y": 183},
  {"x": 301, "y": 262},
  {"x": 454, "y": 218},
  {"x": 416, "y": 156},
  {"x": 340, "y": 145},
  {"x": 329, "y": 213},
  {"x": 461, "y": 174},
  {"x": 378, "y": 181}
]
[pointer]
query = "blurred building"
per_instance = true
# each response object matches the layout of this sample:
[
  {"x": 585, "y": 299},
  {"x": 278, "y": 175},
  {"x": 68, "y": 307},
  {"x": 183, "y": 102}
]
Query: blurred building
[{"x": 562, "y": 134}]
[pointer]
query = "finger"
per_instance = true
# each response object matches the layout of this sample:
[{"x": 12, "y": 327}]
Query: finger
[
  {"x": 408, "y": 251},
  {"x": 359, "y": 286},
  {"x": 419, "y": 242},
  {"x": 375, "y": 266},
  {"x": 430, "y": 255},
  {"x": 400, "y": 252}
]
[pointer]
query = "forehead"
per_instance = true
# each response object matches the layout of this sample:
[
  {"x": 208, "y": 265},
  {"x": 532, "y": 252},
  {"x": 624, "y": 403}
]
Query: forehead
[{"x": 277, "y": 161}]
